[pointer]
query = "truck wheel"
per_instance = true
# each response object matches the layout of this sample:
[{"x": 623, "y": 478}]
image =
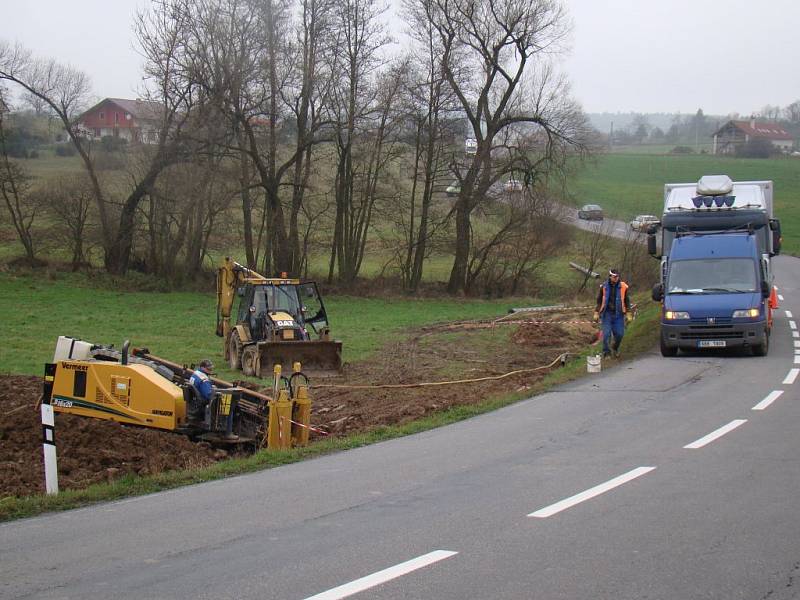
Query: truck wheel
[
  {"x": 250, "y": 361},
  {"x": 762, "y": 349},
  {"x": 235, "y": 352},
  {"x": 667, "y": 350}
]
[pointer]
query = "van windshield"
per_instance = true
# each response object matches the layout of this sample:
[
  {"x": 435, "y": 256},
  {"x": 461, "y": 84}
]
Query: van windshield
[{"x": 709, "y": 276}]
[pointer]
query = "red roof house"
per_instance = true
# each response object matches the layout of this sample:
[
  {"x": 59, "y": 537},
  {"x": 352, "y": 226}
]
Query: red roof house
[
  {"x": 133, "y": 120},
  {"x": 736, "y": 133}
]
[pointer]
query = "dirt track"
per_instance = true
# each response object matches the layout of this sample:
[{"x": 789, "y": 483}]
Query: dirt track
[{"x": 91, "y": 450}]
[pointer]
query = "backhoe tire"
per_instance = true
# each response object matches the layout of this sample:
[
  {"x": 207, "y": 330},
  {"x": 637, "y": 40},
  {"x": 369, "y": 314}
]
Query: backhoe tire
[
  {"x": 235, "y": 352},
  {"x": 250, "y": 361}
]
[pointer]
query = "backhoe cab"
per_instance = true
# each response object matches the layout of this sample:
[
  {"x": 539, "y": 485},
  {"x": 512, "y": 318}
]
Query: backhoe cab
[{"x": 278, "y": 321}]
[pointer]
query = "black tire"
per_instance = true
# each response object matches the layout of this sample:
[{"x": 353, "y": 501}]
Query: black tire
[
  {"x": 235, "y": 352},
  {"x": 762, "y": 349},
  {"x": 668, "y": 351},
  {"x": 249, "y": 360}
]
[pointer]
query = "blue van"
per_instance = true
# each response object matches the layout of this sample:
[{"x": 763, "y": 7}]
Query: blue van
[{"x": 715, "y": 294}]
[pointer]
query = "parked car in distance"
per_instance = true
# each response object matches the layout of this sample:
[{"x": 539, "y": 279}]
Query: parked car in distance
[
  {"x": 454, "y": 189},
  {"x": 591, "y": 212},
  {"x": 513, "y": 185},
  {"x": 471, "y": 146},
  {"x": 643, "y": 222}
]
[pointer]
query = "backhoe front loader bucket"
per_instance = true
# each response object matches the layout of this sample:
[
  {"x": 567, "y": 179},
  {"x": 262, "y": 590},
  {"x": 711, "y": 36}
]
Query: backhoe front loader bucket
[{"x": 317, "y": 357}]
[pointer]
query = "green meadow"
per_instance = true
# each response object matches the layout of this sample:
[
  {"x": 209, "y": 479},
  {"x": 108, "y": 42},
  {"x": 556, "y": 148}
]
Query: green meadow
[
  {"x": 629, "y": 184},
  {"x": 180, "y": 326}
]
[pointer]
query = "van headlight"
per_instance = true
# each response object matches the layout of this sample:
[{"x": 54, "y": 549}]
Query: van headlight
[
  {"x": 674, "y": 315},
  {"x": 746, "y": 313}
]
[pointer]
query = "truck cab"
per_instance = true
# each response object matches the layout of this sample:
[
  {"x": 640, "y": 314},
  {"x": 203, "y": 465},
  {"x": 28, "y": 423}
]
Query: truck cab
[{"x": 715, "y": 293}]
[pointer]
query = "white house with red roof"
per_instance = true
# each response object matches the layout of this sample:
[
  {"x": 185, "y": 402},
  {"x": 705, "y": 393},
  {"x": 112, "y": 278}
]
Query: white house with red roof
[
  {"x": 132, "y": 120},
  {"x": 735, "y": 133}
]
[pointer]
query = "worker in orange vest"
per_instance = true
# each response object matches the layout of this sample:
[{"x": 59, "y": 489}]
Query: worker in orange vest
[{"x": 613, "y": 309}]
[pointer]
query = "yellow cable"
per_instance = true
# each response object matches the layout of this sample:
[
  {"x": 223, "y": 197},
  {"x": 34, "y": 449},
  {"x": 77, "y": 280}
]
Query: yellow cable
[{"x": 559, "y": 358}]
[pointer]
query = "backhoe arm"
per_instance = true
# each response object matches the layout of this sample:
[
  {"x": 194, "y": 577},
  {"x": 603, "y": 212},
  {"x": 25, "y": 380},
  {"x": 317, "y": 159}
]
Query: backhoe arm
[{"x": 230, "y": 275}]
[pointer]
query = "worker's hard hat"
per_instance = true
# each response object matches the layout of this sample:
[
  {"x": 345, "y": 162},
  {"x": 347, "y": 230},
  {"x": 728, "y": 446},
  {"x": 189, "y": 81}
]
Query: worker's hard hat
[
  {"x": 206, "y": 364},
  {"x": 613, "y": 272}
]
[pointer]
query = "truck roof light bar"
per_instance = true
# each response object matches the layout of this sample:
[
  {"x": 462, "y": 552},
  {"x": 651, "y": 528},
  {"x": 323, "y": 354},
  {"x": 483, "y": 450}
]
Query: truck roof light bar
[{"x": 718, "y": 201}]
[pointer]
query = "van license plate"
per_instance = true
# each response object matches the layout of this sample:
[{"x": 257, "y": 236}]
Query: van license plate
[{"x": 711, "y": 343}]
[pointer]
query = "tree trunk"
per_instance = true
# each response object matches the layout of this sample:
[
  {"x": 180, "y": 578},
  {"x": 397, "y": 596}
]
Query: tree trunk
[{"x": 458, "y": 274}]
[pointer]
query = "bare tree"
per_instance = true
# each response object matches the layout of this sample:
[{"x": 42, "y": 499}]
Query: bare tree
[
  {"x": 269, "y": 87},
  {"x": 69, "y": 199},
  {"x": 495, "y": 60},
  {"x": 792, "y": 112},
  {"x": 66, "y": 90},
  {"x": 38, "y": 105},
  {"x": 593, "y": 248},
  {"x": 530, "y": 232},
  {"x": 637, "y": 266},
  {"x": 15, "y": 188},
  {"x": 359, "y": 37},
  {"x": 430, "y": 108}
]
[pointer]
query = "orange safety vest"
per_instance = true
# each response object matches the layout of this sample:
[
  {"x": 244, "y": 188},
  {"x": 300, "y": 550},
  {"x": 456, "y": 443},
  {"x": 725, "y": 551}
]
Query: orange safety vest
[{"x": 623, "y": 290}]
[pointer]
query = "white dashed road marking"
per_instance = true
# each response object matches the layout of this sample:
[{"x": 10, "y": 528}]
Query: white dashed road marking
[
  {"x": 707, "y": 439},
  {"x": 359, "y": 585},
  {"x": 549, "y": 511},
  {"x": 788, "y": 314},
  {"x": 774, "y": 395},
  {"x": 792, "y": 324},
  {"x": 780, "y": 297},
  {"x": 791, "y": 376}
]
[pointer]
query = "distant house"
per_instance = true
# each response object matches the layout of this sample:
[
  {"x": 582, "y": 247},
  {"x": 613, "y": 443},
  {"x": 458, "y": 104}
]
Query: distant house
[
  {"x": 132, "y": 120},
  {"x": 735, "y": 133}
]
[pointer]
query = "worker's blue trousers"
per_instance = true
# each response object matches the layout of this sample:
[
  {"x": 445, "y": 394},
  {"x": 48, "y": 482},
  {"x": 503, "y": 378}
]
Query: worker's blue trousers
[{"x": 613, "y": 324}]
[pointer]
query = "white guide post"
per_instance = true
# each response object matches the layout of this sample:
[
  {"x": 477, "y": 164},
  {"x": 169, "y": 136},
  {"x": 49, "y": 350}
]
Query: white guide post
[{"x": 49, "y": 446}]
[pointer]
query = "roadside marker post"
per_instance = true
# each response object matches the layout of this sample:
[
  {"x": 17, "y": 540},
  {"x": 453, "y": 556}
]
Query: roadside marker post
[{"x": 49, "y": 447}]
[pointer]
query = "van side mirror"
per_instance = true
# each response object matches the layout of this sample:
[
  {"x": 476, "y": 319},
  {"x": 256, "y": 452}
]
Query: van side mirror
[
  {"x": 765, "y": 290},
  {"x": 777, "y": 238},
  {"x": 658, "y": 292},
  {"x": 652, "y": 249}
]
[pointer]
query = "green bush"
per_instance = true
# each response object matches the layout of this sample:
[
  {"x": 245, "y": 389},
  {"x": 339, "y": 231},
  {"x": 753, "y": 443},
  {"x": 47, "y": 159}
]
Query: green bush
[
  {"x": 110, "y": 144},
  {"x": 65, "y": 150},
  {"x": 755, "y": 148}
]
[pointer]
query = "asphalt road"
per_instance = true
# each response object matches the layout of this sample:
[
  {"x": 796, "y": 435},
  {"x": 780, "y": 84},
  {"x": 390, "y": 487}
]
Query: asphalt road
[
  {"x": 657, "y": 478},
  {"x": 612, "y": 227}
]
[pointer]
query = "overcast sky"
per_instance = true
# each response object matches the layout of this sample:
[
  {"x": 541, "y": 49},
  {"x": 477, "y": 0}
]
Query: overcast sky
[{"x": 723, "y": 56}]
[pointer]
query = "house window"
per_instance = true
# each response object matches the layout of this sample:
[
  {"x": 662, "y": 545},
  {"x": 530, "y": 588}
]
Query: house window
[
  {"x": 102, "y": 116},
  {"x": 97, "y": 132}
]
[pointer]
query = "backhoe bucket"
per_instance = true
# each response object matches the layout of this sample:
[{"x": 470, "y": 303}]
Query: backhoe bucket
[{"x": 318, "y": 357}]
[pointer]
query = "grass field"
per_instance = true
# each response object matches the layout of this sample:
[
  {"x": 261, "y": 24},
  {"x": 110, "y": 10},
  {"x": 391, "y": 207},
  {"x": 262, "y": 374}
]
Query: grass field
[
  {"x": 180, "y": 325},
  {"x": 628, "y": 184}
]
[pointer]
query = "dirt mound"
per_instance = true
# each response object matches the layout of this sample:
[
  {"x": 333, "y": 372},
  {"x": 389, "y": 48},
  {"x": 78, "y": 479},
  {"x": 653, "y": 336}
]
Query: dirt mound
[{"x": 91, "y": 450}]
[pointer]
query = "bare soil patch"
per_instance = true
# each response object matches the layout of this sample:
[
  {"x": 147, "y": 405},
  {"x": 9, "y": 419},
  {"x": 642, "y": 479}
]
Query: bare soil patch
[{"x": 92, "y": 450}]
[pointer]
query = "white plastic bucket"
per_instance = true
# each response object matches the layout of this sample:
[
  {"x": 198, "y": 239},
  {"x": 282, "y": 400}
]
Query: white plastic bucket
[{"x": 593, "y": 364}]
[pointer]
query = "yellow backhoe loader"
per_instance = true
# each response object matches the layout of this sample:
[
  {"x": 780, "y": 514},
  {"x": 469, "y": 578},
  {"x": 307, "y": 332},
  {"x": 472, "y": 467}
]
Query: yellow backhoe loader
[
  {"x": 279, "y": 321},
  {"x": 139, "y": 388}
]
